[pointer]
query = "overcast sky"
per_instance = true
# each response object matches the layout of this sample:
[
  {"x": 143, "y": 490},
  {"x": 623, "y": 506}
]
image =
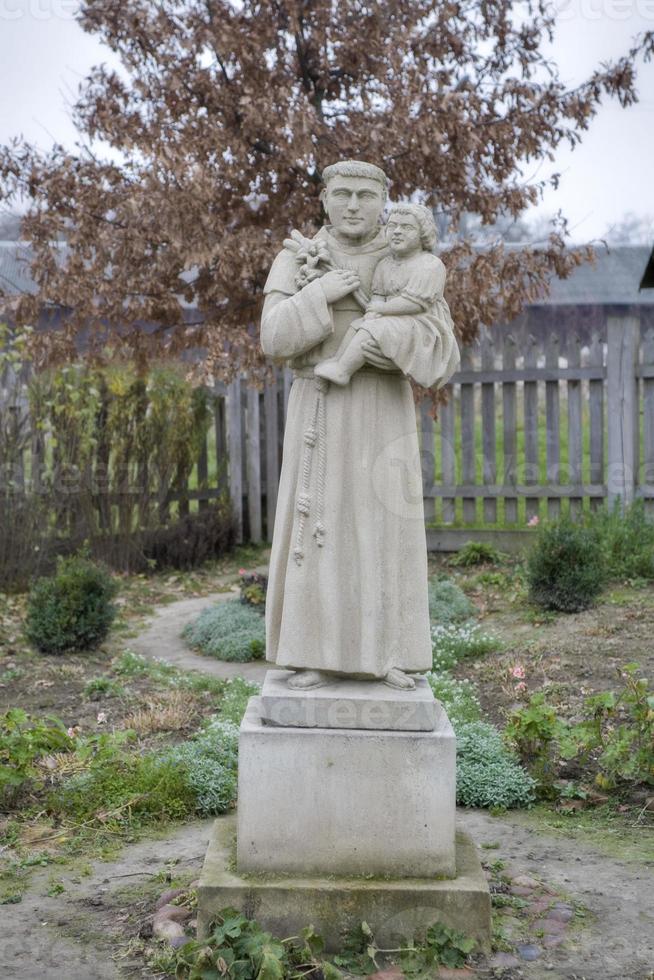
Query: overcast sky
[{"x": 44, "y": 55}]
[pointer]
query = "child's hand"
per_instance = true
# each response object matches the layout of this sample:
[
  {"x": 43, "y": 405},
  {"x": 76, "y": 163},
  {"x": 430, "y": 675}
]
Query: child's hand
[{"x": 376, "y": 308}]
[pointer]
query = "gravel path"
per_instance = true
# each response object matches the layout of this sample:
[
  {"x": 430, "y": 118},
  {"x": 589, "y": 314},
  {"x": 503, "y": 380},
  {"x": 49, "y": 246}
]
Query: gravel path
[{"x": 162, "y": 639}]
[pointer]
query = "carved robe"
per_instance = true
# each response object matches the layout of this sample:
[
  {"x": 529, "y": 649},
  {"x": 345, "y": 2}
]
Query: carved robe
[{"x": 347, "y": 590}]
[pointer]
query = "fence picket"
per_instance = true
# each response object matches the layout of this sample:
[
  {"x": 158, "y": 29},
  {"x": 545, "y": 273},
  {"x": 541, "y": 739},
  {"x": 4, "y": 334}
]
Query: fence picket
[
  {"x": 448, "y": 456},
  {"x": 575, "y": 439},
  {"x": 531, "y": 428},
  {"x": 235, "y": 453},
  {"x": 428, "y": 460},
  {"x": 253, "y": 463},
  {"x": 203, "y": 473},
  {"x": 552, "y": 426},
  {"x": 648, "y": 418},
  {"x": 596, "y": 413},
  {"x": 509, "y": 429},
  {"x": 270, "y": 406},
  {"x": 468, "y": 468},
  {"x": 489, "y": 461}
]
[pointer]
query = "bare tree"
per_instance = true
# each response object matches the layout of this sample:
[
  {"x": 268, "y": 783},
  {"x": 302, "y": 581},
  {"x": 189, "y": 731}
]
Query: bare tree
[{"x": 220, "y": 123}]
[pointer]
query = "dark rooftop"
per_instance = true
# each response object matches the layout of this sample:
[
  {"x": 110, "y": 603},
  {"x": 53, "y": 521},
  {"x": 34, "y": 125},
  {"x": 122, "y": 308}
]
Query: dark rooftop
[{"x": 614, "y": 279}]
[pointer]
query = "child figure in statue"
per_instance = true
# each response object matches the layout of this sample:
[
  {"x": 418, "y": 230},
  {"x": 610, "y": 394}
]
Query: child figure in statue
[{"x": 408, "y": 315}]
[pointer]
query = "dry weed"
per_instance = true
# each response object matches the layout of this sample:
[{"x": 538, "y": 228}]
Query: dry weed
[{"x": 173, "y": 711}]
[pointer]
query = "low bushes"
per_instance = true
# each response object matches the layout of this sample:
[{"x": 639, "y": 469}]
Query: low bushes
[
  {"x": 487, "y": 774},
  {"x": 611, "y": 738},
  {"x": 72, "y": 610},
  {"x": 230, "y": 631},
  {"x": 459, "y": 698},
  {"x": 626, "y": 539},
  {"x": 448, "y": 603},
  {"x": 565, "y": 570},
  {"x": 191, "y": 540},
  {"x": 454, "y": 642},
  {"x": 196, "y": 777},
  {"x": 476, "y": 553}
]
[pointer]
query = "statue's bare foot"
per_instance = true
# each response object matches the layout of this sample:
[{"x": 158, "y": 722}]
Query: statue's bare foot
[
  {"x": 331, "y": 370},
  {"x": 302, "y": 680},
  {"x": 397, "y": 678}
]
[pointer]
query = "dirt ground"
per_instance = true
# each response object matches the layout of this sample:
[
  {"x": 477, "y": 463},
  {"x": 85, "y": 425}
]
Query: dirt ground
[{"x": 90, "y": 930}]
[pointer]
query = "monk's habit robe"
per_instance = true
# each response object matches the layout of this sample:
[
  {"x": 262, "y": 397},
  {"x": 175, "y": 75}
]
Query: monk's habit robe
[{"x": 347, "y": 590}]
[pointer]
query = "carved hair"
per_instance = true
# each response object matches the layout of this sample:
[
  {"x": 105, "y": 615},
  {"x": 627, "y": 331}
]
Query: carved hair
[
  {"x": 425, "y": 219},
  {"x": 356, "y": 168}
]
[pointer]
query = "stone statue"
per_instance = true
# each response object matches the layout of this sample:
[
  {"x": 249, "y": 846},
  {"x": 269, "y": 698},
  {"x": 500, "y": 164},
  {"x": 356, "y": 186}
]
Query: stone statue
[{"x": 347, "y": 593}]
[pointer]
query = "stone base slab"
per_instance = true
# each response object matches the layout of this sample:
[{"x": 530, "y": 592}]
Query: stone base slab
[
  {"x": 395, "y": 909},
  {"x": 345, "y": 703},
  {"x": 346, "y": 802}
]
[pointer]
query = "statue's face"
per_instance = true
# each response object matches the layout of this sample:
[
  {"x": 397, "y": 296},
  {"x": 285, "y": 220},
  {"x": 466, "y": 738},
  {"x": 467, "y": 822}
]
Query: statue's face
[
  {"x": 354, "y": 206},
  {"x": 403, "y": 234}
]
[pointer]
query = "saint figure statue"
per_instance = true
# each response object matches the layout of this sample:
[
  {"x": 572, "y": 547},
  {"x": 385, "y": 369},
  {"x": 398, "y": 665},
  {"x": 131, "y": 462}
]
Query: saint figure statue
[{"x": 347, "y": 592}]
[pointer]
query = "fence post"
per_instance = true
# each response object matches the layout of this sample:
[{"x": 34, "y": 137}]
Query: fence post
[
  {"x": 235, "y": 453},
  {"x": 622, "y": 408},
  {"x": 254, "y": 463}
]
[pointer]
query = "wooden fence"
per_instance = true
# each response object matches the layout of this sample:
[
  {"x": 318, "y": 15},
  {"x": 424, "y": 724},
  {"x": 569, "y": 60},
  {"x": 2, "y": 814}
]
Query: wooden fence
[
  {"x": 531, "y": 429},
  {"x": 527, "y": 433}
]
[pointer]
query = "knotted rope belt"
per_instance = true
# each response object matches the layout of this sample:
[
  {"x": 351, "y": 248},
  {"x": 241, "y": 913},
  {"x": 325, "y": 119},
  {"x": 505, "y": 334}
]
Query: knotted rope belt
[{"x": 315, "y": 435}]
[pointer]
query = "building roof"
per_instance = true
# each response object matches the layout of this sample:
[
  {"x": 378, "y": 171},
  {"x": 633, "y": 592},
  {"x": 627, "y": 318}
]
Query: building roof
[
  {"x": 614, "y": 279},
  {"x": 647, "y": 282}
]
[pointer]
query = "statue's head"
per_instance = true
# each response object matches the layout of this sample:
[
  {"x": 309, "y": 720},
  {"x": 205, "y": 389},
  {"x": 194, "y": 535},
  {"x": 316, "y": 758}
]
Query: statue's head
[
  {"x": 411, "y": 225},
  {"x": 354, "y": 196}
]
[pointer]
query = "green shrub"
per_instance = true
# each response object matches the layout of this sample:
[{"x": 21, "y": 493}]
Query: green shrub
[
  {"x": 253, "y": 588},
  {"x": 457, "y": 697},
  {"x": 228, "y": 631},
  {"x": 454, "y": 642},
  {"x": 23, "y": 740},
  {"x": 210, "y": 764},
  {"x": 72, "y": 610},
  {"x": 448, "y": 603},
  {"x": 617, "y": 730},
  {"x": 536, "y": 732},
  {"x": 191, "y": 540},
  {"x": 476, "y": 553},
  {"x": 131, "y": 664},
  {"x": 626, "y": 540},
  {"x": 132, "y": 789},
  {"x": 235, "y": 699},
  {"x": 487, "y": 774},
  {"x": 100, "y": 687},
  {"x": 565, "y": 569},
  {"x": 238, "y": 947}
]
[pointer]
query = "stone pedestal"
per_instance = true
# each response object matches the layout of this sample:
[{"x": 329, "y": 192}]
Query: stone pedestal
[
  {"x": 395, "y": 909},
  {"x": 346, "y": 810},
  {"x": 345, "y": 801}
]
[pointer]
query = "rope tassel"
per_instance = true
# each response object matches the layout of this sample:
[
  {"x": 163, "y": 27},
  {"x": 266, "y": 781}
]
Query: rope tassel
[{"x": 315, "y": 434}]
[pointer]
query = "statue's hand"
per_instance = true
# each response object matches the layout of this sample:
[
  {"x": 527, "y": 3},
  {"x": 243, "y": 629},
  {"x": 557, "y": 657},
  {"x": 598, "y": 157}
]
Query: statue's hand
[
  {"x": 374, "y": 356},
  {"x": 338, "y": 283}
]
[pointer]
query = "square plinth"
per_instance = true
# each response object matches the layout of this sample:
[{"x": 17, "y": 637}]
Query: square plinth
[
  {"x": 346, "y": 802},
  {"x": 395, "y": 909},
  {"x": 345, "y": 703}
]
